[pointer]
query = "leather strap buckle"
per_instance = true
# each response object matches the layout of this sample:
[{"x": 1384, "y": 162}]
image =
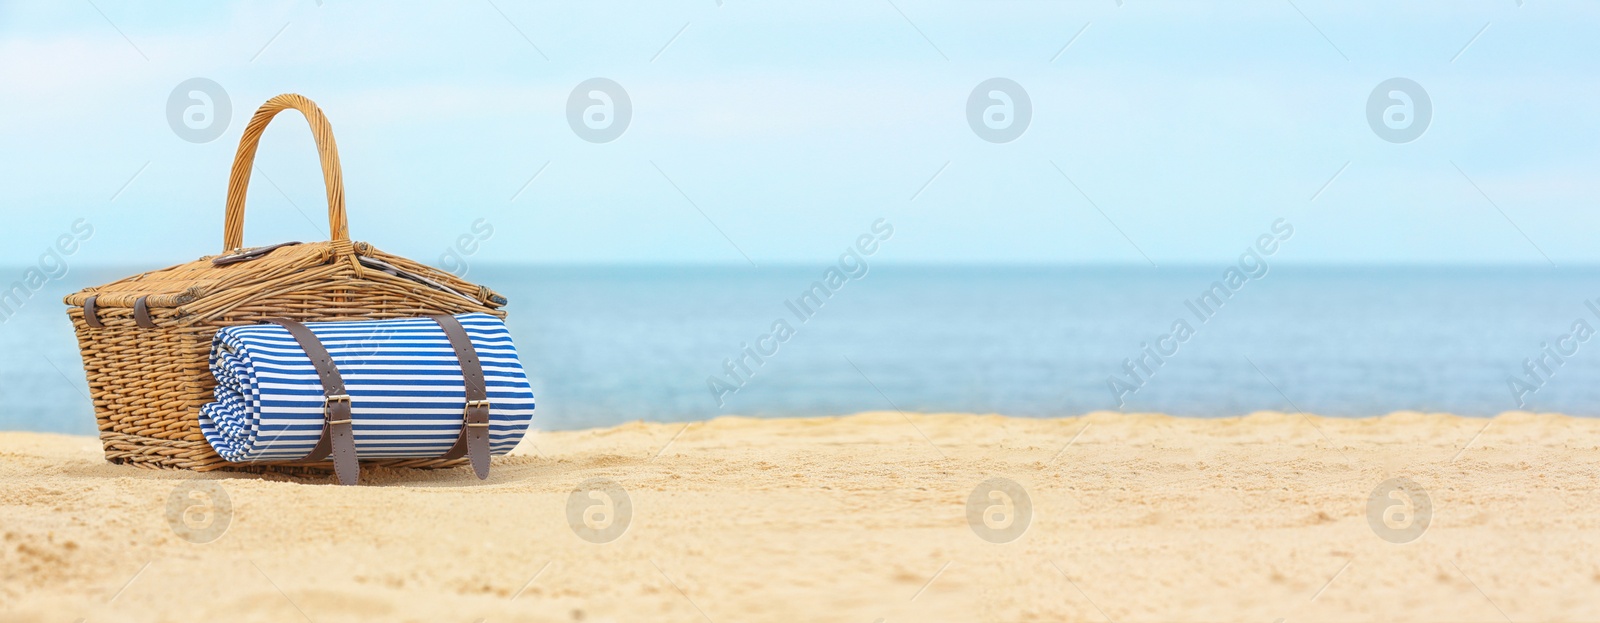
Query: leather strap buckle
[
  {"x": 466, "y": 414},
  {"x": 328, "y": 403}
]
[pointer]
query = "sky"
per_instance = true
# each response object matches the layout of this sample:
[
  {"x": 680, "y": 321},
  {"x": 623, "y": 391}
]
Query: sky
[{"x": 1161, "y": 132}]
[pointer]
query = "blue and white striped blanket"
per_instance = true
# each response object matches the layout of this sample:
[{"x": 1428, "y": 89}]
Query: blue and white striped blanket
[{"x": 405, "y": 387}]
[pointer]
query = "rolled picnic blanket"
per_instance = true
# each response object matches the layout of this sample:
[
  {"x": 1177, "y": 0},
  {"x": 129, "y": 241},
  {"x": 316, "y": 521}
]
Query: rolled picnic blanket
[{"x": 403, "y": 378}]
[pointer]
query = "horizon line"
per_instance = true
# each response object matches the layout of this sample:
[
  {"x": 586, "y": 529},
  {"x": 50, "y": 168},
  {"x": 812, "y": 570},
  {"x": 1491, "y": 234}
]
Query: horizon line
[{"x": 925, "y": 264}]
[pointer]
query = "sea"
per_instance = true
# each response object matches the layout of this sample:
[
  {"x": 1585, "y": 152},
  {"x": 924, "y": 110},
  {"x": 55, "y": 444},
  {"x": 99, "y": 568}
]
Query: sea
[{"x": 604, "y": 345}]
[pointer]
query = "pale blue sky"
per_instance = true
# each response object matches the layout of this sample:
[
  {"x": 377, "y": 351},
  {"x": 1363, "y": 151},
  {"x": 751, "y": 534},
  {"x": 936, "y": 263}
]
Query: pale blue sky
[{"x": 793, "y": 125}]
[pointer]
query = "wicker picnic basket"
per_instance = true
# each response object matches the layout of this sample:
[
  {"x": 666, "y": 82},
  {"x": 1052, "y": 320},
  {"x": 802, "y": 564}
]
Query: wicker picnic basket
[{"x": 146, "y": 339}]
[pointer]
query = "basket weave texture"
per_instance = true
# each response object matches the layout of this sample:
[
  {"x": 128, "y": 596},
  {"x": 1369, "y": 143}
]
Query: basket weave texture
[{"x": 149, "y": 382}]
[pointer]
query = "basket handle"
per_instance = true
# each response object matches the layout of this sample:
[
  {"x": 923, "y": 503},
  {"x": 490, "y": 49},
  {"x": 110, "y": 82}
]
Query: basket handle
[{"x": 244, "y": 163}]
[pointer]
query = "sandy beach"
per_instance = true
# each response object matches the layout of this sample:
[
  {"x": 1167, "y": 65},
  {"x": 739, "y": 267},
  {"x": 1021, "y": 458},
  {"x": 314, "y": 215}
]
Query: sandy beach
[{"x": 862, "y": 518}]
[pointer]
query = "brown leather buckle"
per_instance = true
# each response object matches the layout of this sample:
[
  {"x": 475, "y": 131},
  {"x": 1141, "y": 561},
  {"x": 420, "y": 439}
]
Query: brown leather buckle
[
  {"x": 466, "y": 413},
  {"x": 329, "y": 401}
]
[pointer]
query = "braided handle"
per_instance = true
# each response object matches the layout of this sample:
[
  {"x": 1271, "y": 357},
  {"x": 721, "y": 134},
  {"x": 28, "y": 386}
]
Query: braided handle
[{"x": 244, "y": 163}]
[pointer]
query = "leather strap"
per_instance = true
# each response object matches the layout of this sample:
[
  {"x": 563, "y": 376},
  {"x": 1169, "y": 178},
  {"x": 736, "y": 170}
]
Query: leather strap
[
  {"x": 91, "y": 314},
  {"x": 338, "y": 437},
  {"x": 474, "y": 439},
  {"x": 248, "y": 254},
  {"x": 141, "y": 313}
]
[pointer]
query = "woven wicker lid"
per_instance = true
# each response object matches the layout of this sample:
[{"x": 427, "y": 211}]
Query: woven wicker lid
[{"x": 189, "y": 282}]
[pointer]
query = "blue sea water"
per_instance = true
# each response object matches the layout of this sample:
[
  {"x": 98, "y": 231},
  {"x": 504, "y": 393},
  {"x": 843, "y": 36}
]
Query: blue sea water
[{"x": 612, "y": 344}]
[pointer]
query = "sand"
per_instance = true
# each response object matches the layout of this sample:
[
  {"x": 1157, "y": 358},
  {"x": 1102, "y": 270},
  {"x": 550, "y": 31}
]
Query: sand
[{"x": 861, "y": 518}]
